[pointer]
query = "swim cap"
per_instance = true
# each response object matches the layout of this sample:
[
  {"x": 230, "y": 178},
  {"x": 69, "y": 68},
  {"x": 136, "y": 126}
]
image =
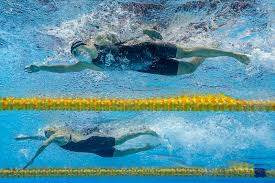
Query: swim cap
[{"x": 76, "y": 44}]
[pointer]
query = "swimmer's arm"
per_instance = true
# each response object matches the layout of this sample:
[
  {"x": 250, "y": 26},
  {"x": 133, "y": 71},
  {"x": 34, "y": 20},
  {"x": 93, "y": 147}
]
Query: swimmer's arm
[
  {"x": 26, "y": 137},
  {"x": 151, "y": 33},
  {"x": 41, "y": 149},
  {"x": 77, "y": 67}
]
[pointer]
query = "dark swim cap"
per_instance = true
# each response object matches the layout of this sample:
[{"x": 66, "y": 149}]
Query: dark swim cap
[{"x": 76, "y": 44}]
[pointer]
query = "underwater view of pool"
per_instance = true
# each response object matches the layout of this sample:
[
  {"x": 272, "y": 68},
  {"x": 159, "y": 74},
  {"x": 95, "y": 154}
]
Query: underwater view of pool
[{"x": 41, "y": 32}]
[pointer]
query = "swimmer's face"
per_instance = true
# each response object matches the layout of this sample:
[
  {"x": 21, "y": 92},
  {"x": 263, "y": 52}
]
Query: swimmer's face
[
  {"x": 85, "y": 53},
  {"x": 49, "y": 132}
]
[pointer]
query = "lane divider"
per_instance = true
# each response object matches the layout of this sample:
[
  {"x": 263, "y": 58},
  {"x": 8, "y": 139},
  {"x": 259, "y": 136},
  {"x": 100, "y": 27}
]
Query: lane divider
[
  {"x": 180, "y": 103},
  {"x": 184, "y": 172}
]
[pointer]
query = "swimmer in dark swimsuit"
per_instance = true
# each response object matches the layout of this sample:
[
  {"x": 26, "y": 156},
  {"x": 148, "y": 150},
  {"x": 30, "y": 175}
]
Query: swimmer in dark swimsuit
[
  {"x": 103, "y": 146},
  {"x": 108, "y": 53}
]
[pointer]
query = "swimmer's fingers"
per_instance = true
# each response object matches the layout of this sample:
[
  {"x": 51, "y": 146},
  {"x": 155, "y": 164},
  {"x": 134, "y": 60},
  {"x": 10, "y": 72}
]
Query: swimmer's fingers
[
  {"x": 21, "y": 137},
  {"x": 27, "y": 137},
  {"x": 32, "y": 68},
  {"x": 28, "y": 70},
  {"x": 28, "y": 164},
  {"x": 153, "y": 34}
]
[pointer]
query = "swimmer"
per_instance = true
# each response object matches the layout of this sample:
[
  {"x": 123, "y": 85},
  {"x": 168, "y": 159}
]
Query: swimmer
[
  {"x": 155, "y": 57},
  {"x": 103, "y": 146}
]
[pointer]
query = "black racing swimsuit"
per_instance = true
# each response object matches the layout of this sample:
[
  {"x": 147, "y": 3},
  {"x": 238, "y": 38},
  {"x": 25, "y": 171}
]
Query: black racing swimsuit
[
  {"x": 102, "y": 146},
  {"x": 149, "y": 57}
]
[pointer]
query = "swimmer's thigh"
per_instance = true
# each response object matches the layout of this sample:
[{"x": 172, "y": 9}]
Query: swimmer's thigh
[
  {"x": 168, "y": 67},
  {"x": 106, "y": 153}
]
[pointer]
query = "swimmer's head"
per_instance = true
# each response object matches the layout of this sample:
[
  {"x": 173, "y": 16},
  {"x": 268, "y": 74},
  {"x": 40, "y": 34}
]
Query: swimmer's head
[
  {"x": 50, "y": 131},
  {"x": 84, "y": 52},
  {"x": 75, "y": 45}
]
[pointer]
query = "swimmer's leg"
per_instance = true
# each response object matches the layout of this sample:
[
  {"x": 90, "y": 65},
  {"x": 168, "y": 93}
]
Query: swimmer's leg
[
  {"x": 209, "y": 52},
  {"x": 189, "y": 67},
  {"x": 120, "y": 153},
  {"x": 127, "y": 137}
]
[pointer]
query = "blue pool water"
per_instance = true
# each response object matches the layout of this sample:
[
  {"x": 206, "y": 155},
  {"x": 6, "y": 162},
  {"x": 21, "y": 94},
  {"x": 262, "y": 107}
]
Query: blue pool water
[{"x": 42, "y": 32}]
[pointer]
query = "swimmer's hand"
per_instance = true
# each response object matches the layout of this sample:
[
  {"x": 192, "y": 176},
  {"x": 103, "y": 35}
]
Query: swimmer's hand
[
  {"x": 27, "y": 137},
  {"x": 153, "y": 34},
  {"x": 28, "y": 164},
  {"x": 21, "y": 137},
  {"x": 32, "y": 68},
  {"x": 242, "y": 58}
]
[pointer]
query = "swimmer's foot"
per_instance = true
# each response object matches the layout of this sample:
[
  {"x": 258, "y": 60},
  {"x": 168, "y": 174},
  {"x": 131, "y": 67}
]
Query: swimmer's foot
[{"x": 242, "y": 58}]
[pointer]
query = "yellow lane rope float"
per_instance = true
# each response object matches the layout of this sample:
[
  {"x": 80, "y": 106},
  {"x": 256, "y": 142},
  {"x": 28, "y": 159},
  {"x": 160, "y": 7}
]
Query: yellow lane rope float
[
  {"x": 180, "y": 103},
  {"x": 184, "y": 172}
]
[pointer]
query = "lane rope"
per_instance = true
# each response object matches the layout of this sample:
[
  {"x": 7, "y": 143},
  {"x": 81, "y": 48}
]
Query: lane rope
[
  {"x": 180, "y": 103},
  {"x": 184, "y": 172}
]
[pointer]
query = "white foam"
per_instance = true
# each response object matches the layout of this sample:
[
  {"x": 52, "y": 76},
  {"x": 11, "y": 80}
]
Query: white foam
[
  {"x": 108, "y": 16},
  {"x": 218, "y": 136},
  {"x": 265, "y": 58},
  {"x": 25, "y": 152}
]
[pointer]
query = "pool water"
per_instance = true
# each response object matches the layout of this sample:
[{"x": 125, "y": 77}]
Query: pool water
[{"x": 42, "y": 31}]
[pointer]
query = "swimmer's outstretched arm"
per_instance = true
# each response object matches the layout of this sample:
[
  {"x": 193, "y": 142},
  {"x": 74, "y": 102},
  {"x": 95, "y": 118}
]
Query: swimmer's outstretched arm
[
  {"x": 27, "y": 137},
  {"x": 41, "y": 149},
  {"x": 77, "y": 67},
  {"x": 209, "y": 52}
]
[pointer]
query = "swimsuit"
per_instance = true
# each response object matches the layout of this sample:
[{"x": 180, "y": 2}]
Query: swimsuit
[
  {"x": 102, "y": 146},
  {"x": 149, "y": 57}
]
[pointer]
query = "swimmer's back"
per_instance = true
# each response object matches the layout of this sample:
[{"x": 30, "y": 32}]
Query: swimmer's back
[
  {"x": 142, "y": 56},
  {"x": 151, "y": 50}
]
